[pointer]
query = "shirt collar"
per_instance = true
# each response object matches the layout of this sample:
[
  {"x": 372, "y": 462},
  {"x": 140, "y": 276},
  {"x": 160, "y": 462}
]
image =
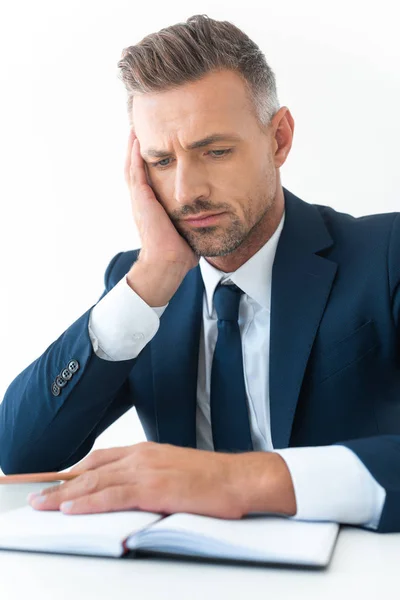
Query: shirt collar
[{"x": 247, "y": 277}]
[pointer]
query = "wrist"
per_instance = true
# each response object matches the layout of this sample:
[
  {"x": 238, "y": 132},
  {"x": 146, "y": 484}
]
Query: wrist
[
  {"x": 156, "y": 283},
  {"x": 267, "y": 484}
]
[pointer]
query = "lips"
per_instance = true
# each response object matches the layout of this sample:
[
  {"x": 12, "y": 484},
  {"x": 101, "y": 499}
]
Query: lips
[{"x": 204, "y": 220}]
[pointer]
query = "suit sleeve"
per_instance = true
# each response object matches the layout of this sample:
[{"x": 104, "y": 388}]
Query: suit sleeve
[
  {"x": 45, "y": 429},
  {"x": 381, "y": 454}
]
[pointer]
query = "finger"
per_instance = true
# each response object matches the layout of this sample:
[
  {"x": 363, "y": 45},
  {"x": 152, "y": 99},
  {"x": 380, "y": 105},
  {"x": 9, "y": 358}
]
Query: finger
[
  {"x": 119, "y": 497},
  {"x": 51, "y": 498},
  {"x": 124, "y": 457},
  {"x": 132, "y": 459},
  {"x": 49, "y": 490},
  {"x": 143, "y": 197},
  {"x": 137, "y": 170},
  {"x": 108, "y": 459},
  {"x": 102, "y": 457},
  {"x": 128, "y": 158},
  {"x": 86, "y": 484}
]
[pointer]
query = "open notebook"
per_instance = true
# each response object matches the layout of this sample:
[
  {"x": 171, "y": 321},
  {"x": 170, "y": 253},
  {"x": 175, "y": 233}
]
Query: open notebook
[{"x": 256, "y": 538}]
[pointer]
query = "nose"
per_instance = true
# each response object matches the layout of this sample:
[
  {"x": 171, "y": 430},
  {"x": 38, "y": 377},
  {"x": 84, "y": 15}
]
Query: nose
[{"x": 190, "y": 183}]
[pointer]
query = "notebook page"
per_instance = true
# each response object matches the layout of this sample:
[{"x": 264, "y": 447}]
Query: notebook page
[
  {"x": 52, "y": 531},
  {"x": 262, "y": 538}
]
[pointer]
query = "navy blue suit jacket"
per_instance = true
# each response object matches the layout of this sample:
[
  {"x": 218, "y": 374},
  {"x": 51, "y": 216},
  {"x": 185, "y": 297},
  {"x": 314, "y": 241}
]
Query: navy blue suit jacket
[{"x": 334, "y": 361}]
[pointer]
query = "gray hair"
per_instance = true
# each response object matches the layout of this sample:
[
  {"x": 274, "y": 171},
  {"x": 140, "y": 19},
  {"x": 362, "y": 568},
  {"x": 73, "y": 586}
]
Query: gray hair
[{"x": 188, "y": 51}]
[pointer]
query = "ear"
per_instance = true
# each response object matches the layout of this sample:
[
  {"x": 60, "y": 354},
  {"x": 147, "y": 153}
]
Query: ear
[{"x": 282, "y": 130}]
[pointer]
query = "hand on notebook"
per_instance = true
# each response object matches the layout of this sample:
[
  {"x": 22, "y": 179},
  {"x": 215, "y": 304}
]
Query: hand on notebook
[{"x": 168, "y": 479}]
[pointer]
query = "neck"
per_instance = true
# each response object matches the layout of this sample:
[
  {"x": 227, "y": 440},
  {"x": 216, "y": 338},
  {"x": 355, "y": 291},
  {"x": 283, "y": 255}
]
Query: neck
[{"x": 258, "y": 236}]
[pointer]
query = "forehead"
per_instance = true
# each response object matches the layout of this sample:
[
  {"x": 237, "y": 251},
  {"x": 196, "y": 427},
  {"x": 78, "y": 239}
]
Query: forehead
[{"x": 217, "y": 102}]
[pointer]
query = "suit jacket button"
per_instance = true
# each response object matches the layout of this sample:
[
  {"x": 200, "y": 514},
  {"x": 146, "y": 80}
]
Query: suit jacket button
[
  {"x": 60, "y": 381},
  {"x": 66, "y": 374},
  {"x": 55, "y": 390},
  {"x": 73, "y": 366}
]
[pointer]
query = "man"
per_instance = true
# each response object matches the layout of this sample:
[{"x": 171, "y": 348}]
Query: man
[{"x": 249, "y": 321}]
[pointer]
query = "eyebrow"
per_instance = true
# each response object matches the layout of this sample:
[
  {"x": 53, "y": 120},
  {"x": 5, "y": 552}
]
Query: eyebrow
[{"x": 210, "y": 139}]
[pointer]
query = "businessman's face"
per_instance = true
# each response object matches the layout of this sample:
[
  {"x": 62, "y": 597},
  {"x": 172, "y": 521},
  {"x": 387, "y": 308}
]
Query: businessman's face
[{"x": 234, "y": 178}]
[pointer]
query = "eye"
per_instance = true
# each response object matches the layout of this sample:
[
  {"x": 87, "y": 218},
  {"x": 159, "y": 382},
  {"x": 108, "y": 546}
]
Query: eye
[
  {"x": 225, "y": 152},
  {"x": 162, "y": 164},
  {"x": 159, "y": 163}
]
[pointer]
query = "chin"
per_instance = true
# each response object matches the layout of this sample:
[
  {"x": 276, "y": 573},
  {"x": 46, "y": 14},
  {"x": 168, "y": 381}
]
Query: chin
[{"x": 216, "y": 247}]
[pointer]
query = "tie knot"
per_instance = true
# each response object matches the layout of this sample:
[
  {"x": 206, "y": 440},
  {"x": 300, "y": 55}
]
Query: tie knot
[{"x": 226, "y": 302}]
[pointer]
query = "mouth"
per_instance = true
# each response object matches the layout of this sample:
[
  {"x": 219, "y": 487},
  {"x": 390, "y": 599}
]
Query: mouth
[{"x": 204, "y": 220}]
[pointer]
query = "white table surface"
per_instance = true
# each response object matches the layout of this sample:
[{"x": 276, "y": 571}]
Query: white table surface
[{"x": 364, "y": 565}]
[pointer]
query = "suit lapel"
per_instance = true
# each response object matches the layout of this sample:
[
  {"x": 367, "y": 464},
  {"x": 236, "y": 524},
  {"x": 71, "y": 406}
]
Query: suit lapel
[
  {"x": 301, "y": 284},
  {"x": 175, "y": 351}
]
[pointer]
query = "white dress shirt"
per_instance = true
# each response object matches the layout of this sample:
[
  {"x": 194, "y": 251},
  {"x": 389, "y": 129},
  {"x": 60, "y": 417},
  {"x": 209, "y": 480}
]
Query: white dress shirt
[{"x": 330, "y": 482}]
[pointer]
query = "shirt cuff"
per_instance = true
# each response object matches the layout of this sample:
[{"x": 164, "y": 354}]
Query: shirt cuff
[
  {"x": 121, "y": 323},
  {"x": 332, "y": 484}
]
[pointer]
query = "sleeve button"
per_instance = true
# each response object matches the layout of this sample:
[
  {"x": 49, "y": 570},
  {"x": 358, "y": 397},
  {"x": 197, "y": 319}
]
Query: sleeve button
[
  {"x": 138, "y": 336},
  {"x": 55, "y": 390},
  {"x": 73, "y": 366},
  {"x": 60, "y": 381},
  {"x": 66, "y": 374}
]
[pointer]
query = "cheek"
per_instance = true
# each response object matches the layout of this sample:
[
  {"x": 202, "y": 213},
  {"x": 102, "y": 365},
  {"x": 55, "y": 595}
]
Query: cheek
[{"x": 233, "y": 179}]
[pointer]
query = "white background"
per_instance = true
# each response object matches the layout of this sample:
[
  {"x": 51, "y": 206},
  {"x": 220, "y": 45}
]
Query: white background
[{"x": 64, "y": 207}]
